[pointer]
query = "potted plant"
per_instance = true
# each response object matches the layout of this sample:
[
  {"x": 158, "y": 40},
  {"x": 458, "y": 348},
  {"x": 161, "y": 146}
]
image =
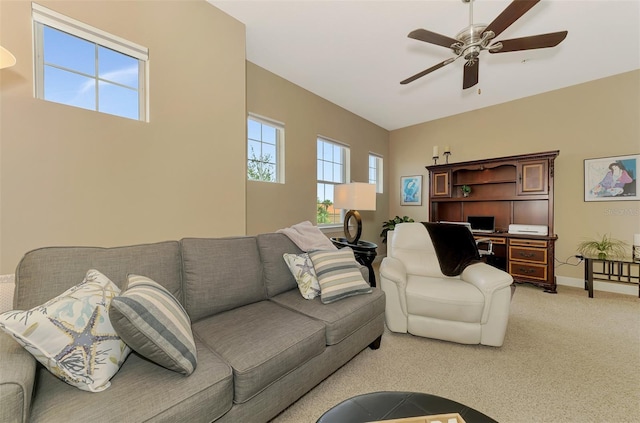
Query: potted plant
[
  {"x": 389, "y": 225},
  {"x": 602, "y": 248},
  {"x": 466, "y": 190}
]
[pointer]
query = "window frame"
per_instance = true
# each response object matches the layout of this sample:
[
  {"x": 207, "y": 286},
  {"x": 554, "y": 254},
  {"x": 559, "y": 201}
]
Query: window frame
[
  {"x": 345, "y": 176},
  {"x": 279, "y": 146},
  {"x": 42, "y": 16},
  {"x": 378, "y": 169}
]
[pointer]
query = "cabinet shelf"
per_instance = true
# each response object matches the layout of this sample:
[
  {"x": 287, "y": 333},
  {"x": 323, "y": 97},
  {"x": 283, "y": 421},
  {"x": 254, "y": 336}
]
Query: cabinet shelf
[
  {"x": 486, "y": 182},
  {"x": 501, "y": 198}
]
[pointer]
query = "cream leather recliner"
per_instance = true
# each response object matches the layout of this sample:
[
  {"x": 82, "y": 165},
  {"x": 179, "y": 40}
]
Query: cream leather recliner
[{"x": 472, "y": 308}]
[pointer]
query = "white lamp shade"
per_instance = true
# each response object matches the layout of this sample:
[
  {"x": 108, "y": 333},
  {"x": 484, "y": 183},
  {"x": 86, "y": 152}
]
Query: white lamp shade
[
  {"x": 6, "y": 58},
  {"x": 355, "y": 196}
]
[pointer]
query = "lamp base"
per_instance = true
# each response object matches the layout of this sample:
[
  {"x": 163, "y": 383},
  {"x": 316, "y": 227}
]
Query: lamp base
[
  {"x": 352, "y": 214},
  {"x": 636, "y": 253}
]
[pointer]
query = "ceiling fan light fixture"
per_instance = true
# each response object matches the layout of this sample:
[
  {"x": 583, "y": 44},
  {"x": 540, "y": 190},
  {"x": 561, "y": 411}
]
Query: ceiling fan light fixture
[{"x": 471, "y": 34}]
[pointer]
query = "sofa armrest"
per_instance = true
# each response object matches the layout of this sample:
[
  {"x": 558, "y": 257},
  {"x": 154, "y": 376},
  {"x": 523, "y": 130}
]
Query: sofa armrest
[{"x": 17, "y": 376}]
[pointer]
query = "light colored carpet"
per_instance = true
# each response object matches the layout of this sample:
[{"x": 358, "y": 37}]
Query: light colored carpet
[{"x": 566, "y": 358}]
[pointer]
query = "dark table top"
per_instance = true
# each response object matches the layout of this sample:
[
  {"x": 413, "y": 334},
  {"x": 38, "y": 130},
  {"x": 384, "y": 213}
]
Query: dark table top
[{"x": 396, "y": 405}]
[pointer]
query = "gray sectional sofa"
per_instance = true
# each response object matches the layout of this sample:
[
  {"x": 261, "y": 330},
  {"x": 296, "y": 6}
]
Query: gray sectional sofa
[{"x": 260, "y": 344}]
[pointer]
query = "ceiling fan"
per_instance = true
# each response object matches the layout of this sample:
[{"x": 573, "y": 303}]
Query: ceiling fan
[{"x": 475, "y": 38}]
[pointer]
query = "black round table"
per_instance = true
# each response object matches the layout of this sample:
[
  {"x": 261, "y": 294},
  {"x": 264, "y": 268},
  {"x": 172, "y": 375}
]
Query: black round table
[{"x": 397, "y": 405}]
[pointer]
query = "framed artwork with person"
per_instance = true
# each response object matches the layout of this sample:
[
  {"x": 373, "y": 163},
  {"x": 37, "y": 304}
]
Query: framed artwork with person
[{"x": 611, "y": 178}]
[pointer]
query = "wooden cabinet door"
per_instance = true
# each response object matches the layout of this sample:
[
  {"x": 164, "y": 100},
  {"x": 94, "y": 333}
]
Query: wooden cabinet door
[
  {"x": 533, "y": 177},
  {"x": 441, "y": 184}
]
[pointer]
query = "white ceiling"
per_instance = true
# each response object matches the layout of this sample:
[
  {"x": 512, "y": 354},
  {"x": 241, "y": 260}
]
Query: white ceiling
[{"x": 354, "y": 53}]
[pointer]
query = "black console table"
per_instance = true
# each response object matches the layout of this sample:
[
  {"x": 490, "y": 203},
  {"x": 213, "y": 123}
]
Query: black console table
[
  {"x": 611, "y": 270},
  {"x": 364, "y": 251}
]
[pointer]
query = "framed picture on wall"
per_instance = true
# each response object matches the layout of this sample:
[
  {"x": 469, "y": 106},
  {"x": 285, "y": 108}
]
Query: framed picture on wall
[
  {"x": 411, "y": 190},
  {"x": 611, "y": 178}
]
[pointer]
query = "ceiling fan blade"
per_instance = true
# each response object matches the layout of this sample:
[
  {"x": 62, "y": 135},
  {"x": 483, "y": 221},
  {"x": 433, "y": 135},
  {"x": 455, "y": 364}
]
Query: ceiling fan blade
[
  {"x": 427, "y": 71},
  {"x": 470, "y": 77},
  {"x": 512, "y": 13},
  {"x": 432, "y": 37},
  {"x": 529, "y": 43}
]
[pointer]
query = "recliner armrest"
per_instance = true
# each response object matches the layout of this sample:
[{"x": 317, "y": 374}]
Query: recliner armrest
[
  {"x": 486, "y": 278},
  {"x": 17, "y": 377},
  {"x": 393, "y": 271}
]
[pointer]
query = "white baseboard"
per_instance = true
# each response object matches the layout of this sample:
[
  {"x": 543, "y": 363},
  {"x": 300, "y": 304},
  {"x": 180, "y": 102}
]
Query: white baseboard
[{"x": 615, "y": 287}]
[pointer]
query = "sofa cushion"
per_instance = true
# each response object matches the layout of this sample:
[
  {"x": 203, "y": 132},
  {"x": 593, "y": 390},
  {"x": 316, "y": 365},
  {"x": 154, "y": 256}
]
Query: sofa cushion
[
  {"x": 221, "y": 274},
  {"x": 262, "y": 342},
  {"x": 277, "y": 277},
  {"x": 142, "y": 391},
  {"x": 341, "y": 318},
  {"x": 301, "y": 268},
  {"x": 153, "y": 323},
  {"x": 71, "y": 335},
  {"x": 47, "y": 272},
  {"x": 339, "y": 275}
]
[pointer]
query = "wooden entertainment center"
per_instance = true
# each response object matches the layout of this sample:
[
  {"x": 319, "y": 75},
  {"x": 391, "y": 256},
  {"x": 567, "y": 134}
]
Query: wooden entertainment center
[{"x": 515, "y": 190}]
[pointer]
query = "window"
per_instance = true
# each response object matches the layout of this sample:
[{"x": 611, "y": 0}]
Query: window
[
  {"x": 333, "y": 169},
  {"x": 85, "y": 67},
  {"x": 375, "y": 171},
  {"x": 265, "y": 141}
]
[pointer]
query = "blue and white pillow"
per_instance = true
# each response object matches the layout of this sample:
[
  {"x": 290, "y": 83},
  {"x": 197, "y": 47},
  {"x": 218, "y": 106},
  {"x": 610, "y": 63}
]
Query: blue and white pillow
[
  {"x": 71, "y": 334},
  {"x": 301, "y": 267},
  {"x": 338, "y": 274},
  {"x": 154, "y": 324}
]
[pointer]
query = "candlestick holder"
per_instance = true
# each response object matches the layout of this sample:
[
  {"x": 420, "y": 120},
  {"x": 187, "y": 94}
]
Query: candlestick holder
[
  {"x": 435, "y": 160},
  {"x": 446, "y": 156}
]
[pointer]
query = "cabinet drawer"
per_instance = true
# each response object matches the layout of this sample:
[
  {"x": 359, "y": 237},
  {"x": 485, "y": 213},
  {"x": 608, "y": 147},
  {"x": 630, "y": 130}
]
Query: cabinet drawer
[
  {"x": 528, "y": 243},
  {"x": 528, "y": 270},
  {"x": 528, "y": 254}
]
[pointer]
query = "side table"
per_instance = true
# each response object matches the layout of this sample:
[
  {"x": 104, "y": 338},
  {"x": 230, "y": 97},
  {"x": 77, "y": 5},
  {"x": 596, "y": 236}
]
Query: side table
[
  {"x": 614, "y": 270},
  {"x": 364, "y": 251}
]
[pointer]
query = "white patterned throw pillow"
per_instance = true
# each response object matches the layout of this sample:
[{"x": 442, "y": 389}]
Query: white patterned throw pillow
[
  {"x": 71, "y": 334},
  {"x": 154, "y": 324},
  {"x": 301, "y": 268},
  {"x": 338, "y": 274}
]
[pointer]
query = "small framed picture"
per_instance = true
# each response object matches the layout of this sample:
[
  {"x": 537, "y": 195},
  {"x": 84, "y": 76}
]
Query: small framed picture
[
  {"x": 611, "y": 178},
  {"x": 411, "y": 190}
]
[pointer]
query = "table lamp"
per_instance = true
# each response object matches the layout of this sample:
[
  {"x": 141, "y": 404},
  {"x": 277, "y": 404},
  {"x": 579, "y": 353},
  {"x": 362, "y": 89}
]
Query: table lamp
[{"x": 353, "y": 197}]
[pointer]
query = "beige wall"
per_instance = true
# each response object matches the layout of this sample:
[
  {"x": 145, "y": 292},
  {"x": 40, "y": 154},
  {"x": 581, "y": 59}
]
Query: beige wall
[
  {"x": 596, "y": 119},
  {"x": 71, "y": 176},
  {"x": 273, "y": 206}
]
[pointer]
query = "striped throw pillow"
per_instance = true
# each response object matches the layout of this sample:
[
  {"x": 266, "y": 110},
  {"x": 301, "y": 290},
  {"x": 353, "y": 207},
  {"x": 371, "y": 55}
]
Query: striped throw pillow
[
  {"x": 154, "y": 324},
  {"x": 338, "y": 274}
]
